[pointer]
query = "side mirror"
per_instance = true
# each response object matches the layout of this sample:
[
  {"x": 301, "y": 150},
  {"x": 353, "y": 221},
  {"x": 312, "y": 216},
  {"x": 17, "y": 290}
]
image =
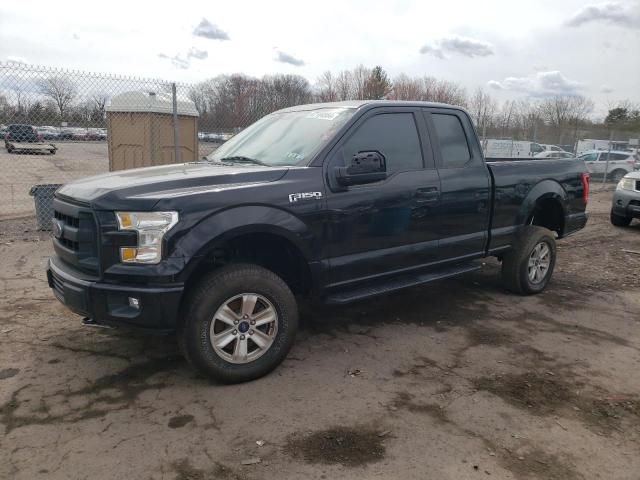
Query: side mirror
[{"x": 365, "y": 167}]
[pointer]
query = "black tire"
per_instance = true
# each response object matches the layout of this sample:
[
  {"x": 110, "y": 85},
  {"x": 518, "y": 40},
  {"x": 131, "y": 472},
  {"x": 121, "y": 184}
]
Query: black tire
[
  {"x": 515, "y": 263},
  {"x": 209, "y": 295},
  {"x": 619, "y": 220},
  {"x": 52, "y": 152},
  {"x": 617, "y": 175}
]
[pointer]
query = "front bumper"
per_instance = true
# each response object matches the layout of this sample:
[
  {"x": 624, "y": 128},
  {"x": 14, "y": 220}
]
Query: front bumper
[
  {"x": 108, "y": 304},
  {"x": 626, "y": 203}
]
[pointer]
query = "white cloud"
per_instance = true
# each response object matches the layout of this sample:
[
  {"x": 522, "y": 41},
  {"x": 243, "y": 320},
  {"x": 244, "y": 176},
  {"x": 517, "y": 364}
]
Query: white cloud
[
  {"x": 606, "y": 89},
  {"x": 290, "y": 59},
  {"x": 14, "y": 59},
  {"x": 208, "y": 30},
  {"x": 184, "y": 63},
  {"x": 457, "y": 45},
  {"x": 539, "y": 84},
  {"x": 176, "y": 60},
  {"x": 612, "y": 13},
  {"x": 197, "y": 53}
]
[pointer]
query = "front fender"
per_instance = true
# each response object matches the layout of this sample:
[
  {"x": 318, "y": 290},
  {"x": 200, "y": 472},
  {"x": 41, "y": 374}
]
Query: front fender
[
  {"x": 542, "y": 190},
  {"x": 203, "y": 237}
]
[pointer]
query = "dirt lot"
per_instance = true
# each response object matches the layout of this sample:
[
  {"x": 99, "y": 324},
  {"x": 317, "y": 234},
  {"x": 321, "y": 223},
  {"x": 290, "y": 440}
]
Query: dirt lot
[
  {"x": 458, "y": 380},
  {"x": 73, "y": 160}
]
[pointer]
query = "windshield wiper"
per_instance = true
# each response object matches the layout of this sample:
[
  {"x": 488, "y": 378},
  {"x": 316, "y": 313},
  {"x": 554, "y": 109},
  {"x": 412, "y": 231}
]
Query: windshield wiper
[{"x": 241, "y": 159}]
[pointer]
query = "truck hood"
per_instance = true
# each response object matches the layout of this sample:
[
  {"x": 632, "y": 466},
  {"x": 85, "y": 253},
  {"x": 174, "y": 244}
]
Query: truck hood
[{"x": 143, "y": 187}]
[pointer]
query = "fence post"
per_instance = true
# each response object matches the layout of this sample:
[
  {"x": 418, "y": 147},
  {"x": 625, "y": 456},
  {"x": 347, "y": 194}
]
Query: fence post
[
  {"x": 606, "y": 166},
  {"x": 176, "y": 137}
]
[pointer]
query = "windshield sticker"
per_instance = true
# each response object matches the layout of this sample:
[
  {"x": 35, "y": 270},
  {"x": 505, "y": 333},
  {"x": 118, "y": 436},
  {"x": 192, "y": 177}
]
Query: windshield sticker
[
  {"x": 294, "y": 156},
  {"x": 325, "y": 113}
]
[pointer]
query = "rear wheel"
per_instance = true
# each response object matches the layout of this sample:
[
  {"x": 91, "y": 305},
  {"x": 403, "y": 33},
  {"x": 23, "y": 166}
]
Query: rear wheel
[
  {"x": 619, "y": 220},
  {"x": 239, "y": 324},
  {"x": 528, "y": 267}
]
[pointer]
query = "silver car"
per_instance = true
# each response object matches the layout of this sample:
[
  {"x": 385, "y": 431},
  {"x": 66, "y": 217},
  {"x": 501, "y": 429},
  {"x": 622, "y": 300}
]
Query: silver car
[{"x": 626, "y": 200}]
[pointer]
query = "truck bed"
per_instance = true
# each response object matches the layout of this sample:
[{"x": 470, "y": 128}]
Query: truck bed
[{"x": 518, "y": 181}]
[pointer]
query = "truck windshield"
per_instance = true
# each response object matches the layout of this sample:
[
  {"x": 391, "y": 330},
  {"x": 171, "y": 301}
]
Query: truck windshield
[{"x": 287, "y": 138}]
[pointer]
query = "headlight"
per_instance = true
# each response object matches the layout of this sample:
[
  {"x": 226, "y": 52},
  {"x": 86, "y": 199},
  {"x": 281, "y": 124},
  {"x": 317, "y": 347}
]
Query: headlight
[
  {"x": 151, "y": 227},
  {"x": 626, "y": 184}
]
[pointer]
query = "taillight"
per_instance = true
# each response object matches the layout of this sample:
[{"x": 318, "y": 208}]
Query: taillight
[{"x": 585, "y": 187}]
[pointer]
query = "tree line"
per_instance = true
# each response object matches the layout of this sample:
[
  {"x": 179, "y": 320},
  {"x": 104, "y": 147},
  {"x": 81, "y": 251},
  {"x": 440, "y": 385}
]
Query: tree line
[{"x": 230, "y": 102}]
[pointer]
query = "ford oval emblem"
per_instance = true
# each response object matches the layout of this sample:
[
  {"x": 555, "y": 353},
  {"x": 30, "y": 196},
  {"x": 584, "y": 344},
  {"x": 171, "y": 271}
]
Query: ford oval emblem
[{"x": 57, "y": 228}]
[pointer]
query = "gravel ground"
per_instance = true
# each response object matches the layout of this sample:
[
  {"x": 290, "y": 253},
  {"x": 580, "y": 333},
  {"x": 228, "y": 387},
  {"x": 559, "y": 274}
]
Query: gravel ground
[{"x": 456, "y": 380}]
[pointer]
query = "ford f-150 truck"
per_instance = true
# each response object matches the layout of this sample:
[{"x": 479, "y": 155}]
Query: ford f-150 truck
[{"x": 331, "y": 202}]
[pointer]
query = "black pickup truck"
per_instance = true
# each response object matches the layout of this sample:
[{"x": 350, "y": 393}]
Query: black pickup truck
[{"x": 329, "y": 202}]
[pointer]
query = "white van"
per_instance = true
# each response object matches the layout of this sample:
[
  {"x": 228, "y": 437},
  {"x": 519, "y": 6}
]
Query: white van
[
  {"x": 494, "y": 148},
  {"x": 590, "y": 144}
]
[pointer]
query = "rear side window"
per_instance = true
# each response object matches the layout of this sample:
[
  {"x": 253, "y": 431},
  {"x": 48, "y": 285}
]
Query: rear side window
[
  {"x": 453, "y": 141},
  {"x": 618, "y": 156},
  {"x": 394, "y": 135}
]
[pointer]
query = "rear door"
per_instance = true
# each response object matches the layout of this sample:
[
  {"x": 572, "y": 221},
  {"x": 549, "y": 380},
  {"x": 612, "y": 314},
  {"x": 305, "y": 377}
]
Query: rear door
[
  {"x": 388, "y": 226},
  {"x": 591, "y": 162},
  {"x": 465, "y": 185}
]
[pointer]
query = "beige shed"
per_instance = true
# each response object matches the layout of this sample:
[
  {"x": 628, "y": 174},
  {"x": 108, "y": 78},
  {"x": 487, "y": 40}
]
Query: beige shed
[{"x": 140, "y": 130}]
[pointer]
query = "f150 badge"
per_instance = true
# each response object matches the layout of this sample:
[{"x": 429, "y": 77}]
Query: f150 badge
[{"x": 294, "y": 197}]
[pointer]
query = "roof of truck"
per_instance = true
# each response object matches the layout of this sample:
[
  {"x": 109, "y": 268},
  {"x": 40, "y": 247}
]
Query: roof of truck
[{"x": 361, "y": 103}]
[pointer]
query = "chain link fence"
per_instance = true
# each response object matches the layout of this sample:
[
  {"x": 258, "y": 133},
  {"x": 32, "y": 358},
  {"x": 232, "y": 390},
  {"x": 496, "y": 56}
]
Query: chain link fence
[{"x": 60, "y": 125}]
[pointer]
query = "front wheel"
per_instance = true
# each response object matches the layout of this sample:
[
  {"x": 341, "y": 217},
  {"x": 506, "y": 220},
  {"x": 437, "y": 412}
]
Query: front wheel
[
  {"x": 528, "y": 267},
  {"x": 619, "y": 220},
  {"x": 240, "y": 322}
]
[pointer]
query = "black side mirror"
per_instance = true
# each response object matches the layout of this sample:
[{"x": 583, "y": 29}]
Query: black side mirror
[{"x": 365, "y": 167}]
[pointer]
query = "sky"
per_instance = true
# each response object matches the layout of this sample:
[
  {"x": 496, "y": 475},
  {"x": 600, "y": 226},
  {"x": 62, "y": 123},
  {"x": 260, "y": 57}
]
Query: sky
[{"x": 514, "y": 49}]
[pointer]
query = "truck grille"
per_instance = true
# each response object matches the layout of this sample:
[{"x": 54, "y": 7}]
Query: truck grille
[{"x": 76, "y": 239}]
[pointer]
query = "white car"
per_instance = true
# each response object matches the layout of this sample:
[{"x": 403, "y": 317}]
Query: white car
[
  {"x": 620, "y": 163},
  {"x": 553, "y": 148},
  {"x": 554, "y": 154}
]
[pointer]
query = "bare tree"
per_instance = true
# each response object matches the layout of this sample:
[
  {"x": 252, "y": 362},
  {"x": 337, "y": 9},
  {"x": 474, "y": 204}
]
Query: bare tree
[
  {"x": 482, "y": 107},
  {"x": 61, "y": 90},
  {"x": 326, "y": 87},
  {"x": 99, "y": 100},
  {"x": 359, "y": 77},
  {"x": 344, "y": 86},
  {"x": 406, "y": 88}
]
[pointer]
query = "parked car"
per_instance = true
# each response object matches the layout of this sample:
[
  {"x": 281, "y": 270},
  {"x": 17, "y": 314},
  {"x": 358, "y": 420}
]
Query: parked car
[
  {"x": 331, "y": 203},
  {"x": 554, "y": 154},
  {"x": 625, "y": 205},
  {"x": 48, "y": 133},
  {"x": 494, "y": 148},
  {"x": 620, "y": 163},
  {"x": 21, "y": 133},
  {"x": 553, "y": 148},
  {"x": 25, "y": 138}
]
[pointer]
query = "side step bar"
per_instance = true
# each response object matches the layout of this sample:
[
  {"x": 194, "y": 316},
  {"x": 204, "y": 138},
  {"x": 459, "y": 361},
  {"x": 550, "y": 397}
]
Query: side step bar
[{"x": 398, "y": 283}]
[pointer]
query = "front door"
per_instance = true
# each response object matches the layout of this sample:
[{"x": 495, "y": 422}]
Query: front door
[{"x": 388, "y": 226}]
